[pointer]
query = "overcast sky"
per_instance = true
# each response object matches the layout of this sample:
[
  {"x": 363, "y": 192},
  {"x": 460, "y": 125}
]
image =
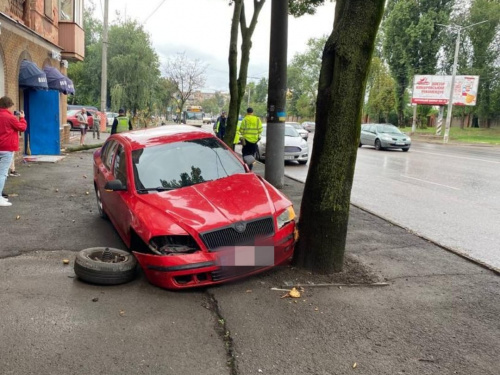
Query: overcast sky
[{"x": 201, "y": 28}]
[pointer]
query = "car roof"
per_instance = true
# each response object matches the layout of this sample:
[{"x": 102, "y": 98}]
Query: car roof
[{"x": 163, "y": 134}]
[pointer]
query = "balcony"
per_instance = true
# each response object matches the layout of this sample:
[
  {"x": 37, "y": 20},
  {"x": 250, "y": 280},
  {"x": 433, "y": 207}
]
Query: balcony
[{"x": 72, "y": 41}]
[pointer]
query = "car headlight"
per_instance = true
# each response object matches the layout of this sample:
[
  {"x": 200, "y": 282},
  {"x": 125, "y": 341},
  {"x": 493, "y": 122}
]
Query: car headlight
[
  {"x": 285, "y": 217},
  {"x": 386, "y": 138},
  {"x": 408, "y": 139}
]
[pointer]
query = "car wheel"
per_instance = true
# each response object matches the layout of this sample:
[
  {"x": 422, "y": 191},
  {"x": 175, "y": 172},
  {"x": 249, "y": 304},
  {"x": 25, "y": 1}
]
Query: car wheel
[
  {"x": 360, "y": 144},
  {"x": 105, "y": 266},
  {"x": 99, "y": 203},
  {"x": 378, "y": 145},
  {"x": 405, "y": 149},
  {"x": 71, "y": 125},
  {"x": 302, "y": 161}
]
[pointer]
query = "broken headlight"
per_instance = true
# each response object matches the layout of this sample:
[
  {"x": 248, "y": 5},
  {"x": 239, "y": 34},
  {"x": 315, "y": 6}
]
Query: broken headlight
[{"x": 173, "y": 245}]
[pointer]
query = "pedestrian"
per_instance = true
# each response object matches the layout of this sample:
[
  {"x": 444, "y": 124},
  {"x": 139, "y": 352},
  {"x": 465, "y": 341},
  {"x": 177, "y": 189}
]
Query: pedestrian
[
  {"x": 220, "y": 125},
  {"x": 250, "y": 130},
  {"x": 10, "y": 126},
  {"x": 237, "y": 136},
  {"x": 12, "y": 169},
  {"x": 96, "y": 128},
  {"x": 121, "y": 123},
  {"x": 83, "y": 124}
]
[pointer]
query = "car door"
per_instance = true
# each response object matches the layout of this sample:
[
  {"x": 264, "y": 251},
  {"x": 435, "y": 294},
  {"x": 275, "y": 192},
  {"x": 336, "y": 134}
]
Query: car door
[
  {"x": 103, "y": 174},
  {"x": 364, "y": 138}
]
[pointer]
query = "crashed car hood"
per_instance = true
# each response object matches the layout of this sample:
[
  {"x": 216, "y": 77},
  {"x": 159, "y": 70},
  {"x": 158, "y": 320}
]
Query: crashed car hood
[{"x": 217, "y": 203}]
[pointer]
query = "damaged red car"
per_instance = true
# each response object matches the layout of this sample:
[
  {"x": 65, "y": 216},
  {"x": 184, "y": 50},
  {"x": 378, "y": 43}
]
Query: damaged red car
[{"x": 189, "y": 208}]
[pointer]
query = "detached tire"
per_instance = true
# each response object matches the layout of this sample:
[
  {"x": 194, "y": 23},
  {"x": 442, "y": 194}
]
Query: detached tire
[{"x": 105, "y": 266}]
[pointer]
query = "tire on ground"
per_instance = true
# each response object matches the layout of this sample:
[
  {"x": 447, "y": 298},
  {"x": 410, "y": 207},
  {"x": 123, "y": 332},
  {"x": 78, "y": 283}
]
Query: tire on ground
[{"x": 95, "y": 271}]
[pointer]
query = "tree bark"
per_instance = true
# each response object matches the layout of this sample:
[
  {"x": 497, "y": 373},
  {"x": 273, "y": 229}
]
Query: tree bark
[{"x": 325, "y": 206}]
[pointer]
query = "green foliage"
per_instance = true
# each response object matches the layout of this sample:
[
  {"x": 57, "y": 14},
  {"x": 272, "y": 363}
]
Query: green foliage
[
  {"x": 133, "y": 67},
  {"x": 381, "y": 89}
]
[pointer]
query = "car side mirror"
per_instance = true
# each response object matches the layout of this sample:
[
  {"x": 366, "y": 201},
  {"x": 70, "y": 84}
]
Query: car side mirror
[{"x": 115, "y": 185}]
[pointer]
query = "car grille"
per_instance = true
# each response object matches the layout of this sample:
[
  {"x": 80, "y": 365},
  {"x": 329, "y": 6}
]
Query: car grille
[
  {"x": 229, "y": 236},
  {"x": 292, "y": 149},
  {"x": 224, "y": 273}
]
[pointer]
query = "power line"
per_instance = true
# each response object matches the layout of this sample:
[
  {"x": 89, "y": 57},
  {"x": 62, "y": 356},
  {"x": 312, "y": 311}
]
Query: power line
[{"x": 153, "y": 12}]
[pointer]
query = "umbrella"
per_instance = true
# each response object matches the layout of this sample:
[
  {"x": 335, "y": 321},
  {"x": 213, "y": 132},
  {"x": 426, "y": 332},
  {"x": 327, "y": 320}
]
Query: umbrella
[{"x": 31, "y": 76}]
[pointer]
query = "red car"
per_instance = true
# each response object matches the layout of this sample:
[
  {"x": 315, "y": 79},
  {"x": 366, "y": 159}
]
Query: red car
[
  {"x": 73, "y": 122},
  {"x": 190, "y": 210}
]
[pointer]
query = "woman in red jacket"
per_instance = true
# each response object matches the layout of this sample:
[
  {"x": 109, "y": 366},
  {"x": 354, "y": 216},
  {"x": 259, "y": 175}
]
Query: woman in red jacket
[{"x": 9, "y": 140}]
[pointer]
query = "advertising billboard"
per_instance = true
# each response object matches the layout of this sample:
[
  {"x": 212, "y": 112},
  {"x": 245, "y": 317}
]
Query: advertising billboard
[{"x": 435, "y": 90}]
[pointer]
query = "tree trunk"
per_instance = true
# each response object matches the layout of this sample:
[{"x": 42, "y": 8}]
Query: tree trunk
[
  {"x": 325, "y": 206},
  {"x": 237, "y": 86}
]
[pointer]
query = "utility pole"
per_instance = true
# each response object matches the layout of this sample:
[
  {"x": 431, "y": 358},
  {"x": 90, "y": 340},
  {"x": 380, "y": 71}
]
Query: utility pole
[
  {"x": 452, "y": 88},
  {"x": 104, "y": 65},
  {"x": 276, "y": 98}
]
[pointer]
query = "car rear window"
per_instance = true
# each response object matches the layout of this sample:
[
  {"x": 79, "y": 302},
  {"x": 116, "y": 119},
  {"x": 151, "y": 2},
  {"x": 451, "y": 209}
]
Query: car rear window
[{"x": 180, "y": 164}]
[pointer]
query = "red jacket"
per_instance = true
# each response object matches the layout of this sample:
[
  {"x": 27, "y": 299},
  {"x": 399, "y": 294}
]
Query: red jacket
[{"x": 9, "y": 128}]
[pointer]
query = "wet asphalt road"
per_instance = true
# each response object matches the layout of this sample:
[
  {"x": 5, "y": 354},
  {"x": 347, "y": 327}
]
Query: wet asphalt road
[{"x": 449, "y": 194}]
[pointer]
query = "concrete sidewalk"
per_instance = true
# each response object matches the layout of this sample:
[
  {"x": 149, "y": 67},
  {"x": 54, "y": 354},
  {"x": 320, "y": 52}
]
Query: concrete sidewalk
[{"x": 438, "y": 314}]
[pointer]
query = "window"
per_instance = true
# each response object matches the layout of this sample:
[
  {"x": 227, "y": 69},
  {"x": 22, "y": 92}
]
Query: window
[
  {"x": 107, "y": 156},
  {"x": 71, "y": 11},
  {"x": 120, "y": 166},
  {"x": 47, "y": 8}
]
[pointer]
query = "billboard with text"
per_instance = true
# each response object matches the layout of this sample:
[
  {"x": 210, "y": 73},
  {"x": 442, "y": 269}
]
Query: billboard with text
[{"x": 435, "y": 90}]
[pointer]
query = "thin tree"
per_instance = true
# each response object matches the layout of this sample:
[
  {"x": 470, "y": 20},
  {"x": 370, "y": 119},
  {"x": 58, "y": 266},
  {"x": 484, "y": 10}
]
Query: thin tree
[
  {"x": 324, "y": 213},
  {"x": 187, "y": 75}
]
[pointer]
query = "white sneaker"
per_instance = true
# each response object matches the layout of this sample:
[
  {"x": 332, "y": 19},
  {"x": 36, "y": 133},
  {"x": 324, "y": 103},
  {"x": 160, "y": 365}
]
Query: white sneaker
[{"x": 5, "y": 203}]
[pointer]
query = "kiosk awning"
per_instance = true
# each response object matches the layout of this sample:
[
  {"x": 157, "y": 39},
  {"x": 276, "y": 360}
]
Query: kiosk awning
[
  {"x": 32, "y": 77},
  {"x": 56, "y": 80},
  {"x": 71, "y": 87}
]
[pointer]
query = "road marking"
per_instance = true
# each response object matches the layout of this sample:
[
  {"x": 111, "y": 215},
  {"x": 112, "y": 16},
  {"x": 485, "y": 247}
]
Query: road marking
[
  {"x": 457, "y": 157},
  {"x": 429, "y": 182}
]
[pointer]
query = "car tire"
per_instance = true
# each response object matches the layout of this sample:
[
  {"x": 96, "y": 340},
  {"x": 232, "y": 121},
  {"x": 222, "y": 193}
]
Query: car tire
[
  {"x": 405, "y": 149},
  {"x": 302, "y": 162},
  {"x": 378, "y": 145},
  {"x": 71, "y": 125},
  {"x": 100, "y": 207},
  {"x": 105, "y": 266},
  {"x": 360, "y": 144}
]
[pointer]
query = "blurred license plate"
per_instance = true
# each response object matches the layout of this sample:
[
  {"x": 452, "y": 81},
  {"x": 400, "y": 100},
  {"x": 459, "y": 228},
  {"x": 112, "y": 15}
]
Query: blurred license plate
[
  {"x": 289, "y": 157},
  {"x": 400, "y": 143}
]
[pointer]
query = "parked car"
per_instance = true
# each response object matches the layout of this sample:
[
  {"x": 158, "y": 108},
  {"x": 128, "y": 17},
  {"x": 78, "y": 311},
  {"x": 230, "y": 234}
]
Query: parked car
[
  {"x": 110, "y": 117},
  {"x": 309, "y": 126},
  {"x": 303, "y": 132},
  {"x": 73, "y": 122},
  {"x": 384, "y": 136},
  {"x": 296, "y": 147},
  {"x": 189, "y": 208}
]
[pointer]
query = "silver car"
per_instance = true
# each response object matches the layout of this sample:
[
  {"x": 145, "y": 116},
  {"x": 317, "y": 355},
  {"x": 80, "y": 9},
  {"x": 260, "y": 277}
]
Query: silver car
[
  {"x": 384, "y": 136},
  {"x": 296, "y": 147},
  {"x": 309, "y": 126},
  {"x": 303, "y": 132}
]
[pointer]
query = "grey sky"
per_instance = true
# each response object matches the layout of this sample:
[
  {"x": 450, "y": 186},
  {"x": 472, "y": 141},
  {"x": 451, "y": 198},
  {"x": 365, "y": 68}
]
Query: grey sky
[{"x": 200, "y": 28}]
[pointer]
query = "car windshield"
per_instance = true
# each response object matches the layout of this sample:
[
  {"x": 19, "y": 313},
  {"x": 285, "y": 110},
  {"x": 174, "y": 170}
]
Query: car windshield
[
  {"x": 391, "y": 129},
  {"x": 290, "y": 131},
  {"x": 175, "y": 165},
  {"x": 72, "y": 112}
]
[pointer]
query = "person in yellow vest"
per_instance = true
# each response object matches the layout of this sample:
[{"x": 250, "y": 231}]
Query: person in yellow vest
[
  {"x": 121, "y": 123},
  {"x": 250, "y": 130},
  {"x": 237, "y": 135}
]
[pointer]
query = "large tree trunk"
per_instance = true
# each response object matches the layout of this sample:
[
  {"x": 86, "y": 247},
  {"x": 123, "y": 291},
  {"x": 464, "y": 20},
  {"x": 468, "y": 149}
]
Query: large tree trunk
[{"x": 325, "y": 206}]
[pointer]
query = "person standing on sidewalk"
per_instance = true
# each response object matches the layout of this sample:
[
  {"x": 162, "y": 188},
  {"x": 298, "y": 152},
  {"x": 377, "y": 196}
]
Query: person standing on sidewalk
[
  {"x": 10, "y": 126},
  {"x": 220, "y": 125},
  {"x": 250, "y": 130},
  {"x": 83, "y": 124},
  {"x": 97, "y": 125},
  {"x": 121, "y": 123}
]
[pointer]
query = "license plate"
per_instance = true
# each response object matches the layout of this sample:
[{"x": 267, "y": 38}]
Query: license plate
[
  {"x": 400, "y": 143},
  {"x": 289, "y": 157}
]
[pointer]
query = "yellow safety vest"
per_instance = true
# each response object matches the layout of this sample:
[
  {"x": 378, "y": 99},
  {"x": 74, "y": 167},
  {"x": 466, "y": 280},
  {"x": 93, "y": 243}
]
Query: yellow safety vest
[
  {"x": 122, "y": 124},
  {"x": 251, "y": 127}
]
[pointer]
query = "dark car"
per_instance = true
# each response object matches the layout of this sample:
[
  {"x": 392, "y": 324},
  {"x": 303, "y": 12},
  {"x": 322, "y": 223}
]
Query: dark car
[
  {"x": 384, "y": 136},
  {"x": 188, "y": 207}
]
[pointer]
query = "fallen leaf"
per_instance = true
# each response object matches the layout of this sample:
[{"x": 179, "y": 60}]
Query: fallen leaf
[
  {"x": 84, "y": 176},
  {"x": 294, "y": 293},
  {"x": 122, "y": 313},
  {"x": 354, "y": 365},
  {"x": 95, "y": 299},
  {"x": 65, "y": 261},
  {"x": 316, "y": 309},
  {"x": 249, "y": 291},
  {"x": 18, "y": 217},
  {"x": 86, "y": 193}
]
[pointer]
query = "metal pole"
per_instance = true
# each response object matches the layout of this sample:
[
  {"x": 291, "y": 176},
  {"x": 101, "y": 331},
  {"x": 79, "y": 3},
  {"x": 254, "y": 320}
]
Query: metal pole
[
  {"x": 104, "y": 65},
  {"x": 276, "y": 101},
  {"x": 452, "y": 90},
  {"x": 414, "y": 122}
]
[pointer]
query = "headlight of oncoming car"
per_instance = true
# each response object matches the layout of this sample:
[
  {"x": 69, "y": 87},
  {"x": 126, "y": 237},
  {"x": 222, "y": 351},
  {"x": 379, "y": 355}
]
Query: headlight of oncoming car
[
  {"x": 285, "y": 217},
  {"x": 386, "y": 137}
]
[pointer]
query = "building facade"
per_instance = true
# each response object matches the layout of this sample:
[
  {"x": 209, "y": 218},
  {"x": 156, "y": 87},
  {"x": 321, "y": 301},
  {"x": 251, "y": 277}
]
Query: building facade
[{"x": 39, "y": 35}]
